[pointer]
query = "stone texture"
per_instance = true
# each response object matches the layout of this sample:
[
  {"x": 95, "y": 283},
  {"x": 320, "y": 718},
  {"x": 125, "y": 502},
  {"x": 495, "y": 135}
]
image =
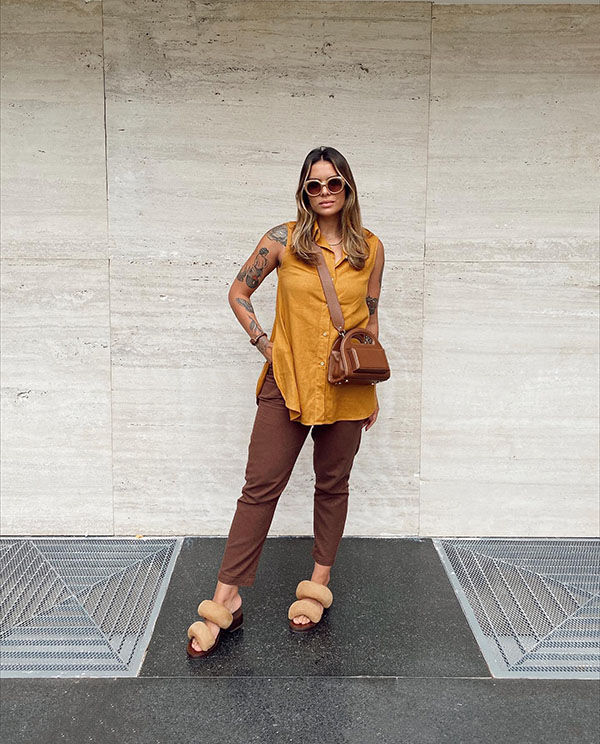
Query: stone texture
[
  {"x": 56, "y": 418},
  {"x": 472, "y": 134},
  {"x": 53, "y": 166}
]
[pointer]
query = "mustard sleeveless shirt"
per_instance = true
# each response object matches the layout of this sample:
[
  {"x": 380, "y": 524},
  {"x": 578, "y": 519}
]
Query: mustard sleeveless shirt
[{"x": 303, "y": 334}]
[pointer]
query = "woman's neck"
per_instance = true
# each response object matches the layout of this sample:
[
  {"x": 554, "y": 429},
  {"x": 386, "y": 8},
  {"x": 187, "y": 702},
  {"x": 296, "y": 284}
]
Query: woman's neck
[{"x": 330, "y": 226}]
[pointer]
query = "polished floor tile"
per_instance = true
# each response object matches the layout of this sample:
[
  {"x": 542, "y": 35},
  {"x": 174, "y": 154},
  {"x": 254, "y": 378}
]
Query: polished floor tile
[{"x": 394, "y": 612}]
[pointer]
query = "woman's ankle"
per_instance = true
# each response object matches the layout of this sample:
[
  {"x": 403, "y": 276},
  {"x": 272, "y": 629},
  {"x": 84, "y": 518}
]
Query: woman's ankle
[
  {"x": 225, "y": 592},
  {"x": 321, "y": 574}
]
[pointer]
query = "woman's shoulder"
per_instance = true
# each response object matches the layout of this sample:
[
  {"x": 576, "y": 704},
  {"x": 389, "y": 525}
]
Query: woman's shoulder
[
  {"x": 370, "y": 235},
  {"x": 373, "y": 243},
  {"x": 279, "y": 232}
]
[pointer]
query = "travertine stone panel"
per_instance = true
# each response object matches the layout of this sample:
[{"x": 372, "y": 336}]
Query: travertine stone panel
[
  {"x": 189, "y": 97},
  {"x": 513, "y": 145},
  {"x": 176, "y": 466},
  {"x": 56, "y": 439},
  {"x": 510, "y": 399},
  {"x": 184, "y": 378},
  {"x": 212, "y": 108},
  {"x": 53, "y": 161},
  {"x": 384, "y": 486}
]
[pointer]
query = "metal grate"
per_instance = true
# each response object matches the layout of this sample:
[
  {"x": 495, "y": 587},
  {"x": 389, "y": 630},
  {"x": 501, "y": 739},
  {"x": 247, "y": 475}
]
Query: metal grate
[
  {"x": 80, "y": 607},
  {"x": 533, "y": 605}
]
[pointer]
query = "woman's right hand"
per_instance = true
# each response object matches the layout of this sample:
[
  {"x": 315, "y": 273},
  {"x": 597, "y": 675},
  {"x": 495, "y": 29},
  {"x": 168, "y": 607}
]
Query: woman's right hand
[
  {"x": 266, "y": 348},
  {"x": 269, "y": 351}
]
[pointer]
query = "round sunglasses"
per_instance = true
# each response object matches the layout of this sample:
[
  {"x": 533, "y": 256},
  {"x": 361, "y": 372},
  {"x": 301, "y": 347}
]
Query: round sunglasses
[{"x": 334, "y": 184}]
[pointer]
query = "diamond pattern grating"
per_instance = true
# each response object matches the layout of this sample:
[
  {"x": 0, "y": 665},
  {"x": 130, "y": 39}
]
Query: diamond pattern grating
[
  {"x": 533, "y": 605},
  {"x": 80, "y": 607}
]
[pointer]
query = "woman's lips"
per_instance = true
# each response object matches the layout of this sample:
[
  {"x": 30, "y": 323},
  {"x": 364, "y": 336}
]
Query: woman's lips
[{"x": 325, "y": 204}]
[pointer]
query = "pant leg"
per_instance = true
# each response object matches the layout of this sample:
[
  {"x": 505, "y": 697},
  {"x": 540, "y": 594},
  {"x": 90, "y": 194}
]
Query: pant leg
[
  {"x": 275, "y": 444},
  {"x": 335, "y": 446}
]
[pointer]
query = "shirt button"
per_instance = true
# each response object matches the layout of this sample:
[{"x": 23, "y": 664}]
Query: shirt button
[
  {"x": 322, "y": 364},
  {"x": 325, "y": 333}
]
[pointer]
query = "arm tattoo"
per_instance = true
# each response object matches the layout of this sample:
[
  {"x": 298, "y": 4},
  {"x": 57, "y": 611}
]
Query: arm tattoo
[
  {"x": 372, "y": 304},
  {"x": 253, "y": 274},
  {"x": 255, "y": 328},
  {"x": 279, "y": 234},
  {"x": 245, "y": 303}
]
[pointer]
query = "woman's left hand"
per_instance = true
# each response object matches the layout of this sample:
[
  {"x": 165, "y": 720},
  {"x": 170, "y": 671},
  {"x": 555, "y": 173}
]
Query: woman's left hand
[{"x": 372, "y": 419}]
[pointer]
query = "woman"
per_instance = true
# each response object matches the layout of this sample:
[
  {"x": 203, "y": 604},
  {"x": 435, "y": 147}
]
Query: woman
[{"x": 292, "y": 392}]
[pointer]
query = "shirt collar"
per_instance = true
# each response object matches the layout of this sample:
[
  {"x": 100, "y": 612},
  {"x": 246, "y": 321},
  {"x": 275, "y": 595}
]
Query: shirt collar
[{"x": 316, "y": 232}]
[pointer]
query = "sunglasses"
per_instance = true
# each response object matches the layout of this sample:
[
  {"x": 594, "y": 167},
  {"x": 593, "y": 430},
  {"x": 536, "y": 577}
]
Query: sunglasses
[{"x": 334, "y": 184}]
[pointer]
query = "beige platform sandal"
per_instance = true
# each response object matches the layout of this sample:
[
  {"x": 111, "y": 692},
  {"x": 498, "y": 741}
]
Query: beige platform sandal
[
  {"x": 216, "y": 613},
  {"x": 309, "y": 590}
]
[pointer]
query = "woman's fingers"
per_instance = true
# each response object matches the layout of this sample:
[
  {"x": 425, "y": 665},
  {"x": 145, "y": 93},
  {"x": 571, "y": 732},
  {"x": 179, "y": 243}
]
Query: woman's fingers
[{"x": 372, "y": 419}]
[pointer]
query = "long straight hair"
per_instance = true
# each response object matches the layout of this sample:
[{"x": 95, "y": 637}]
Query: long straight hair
[{"x": 353, "y": 233}]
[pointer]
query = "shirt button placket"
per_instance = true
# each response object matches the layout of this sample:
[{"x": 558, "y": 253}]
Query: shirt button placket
[{"x": 326, "y": 318}]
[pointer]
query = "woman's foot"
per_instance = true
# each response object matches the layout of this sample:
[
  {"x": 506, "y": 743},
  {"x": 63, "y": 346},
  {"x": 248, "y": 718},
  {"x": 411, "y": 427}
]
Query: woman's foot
[
  {"x": 232, "y": 603},
  {"x": 321, "y": 575}
]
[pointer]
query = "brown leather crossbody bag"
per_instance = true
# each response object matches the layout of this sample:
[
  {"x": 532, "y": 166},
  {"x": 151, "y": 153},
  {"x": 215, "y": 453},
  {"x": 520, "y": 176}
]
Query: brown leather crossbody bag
[{"x": 356, "y": 357}]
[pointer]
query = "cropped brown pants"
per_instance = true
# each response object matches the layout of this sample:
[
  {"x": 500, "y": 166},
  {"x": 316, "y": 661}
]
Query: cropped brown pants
[{"x": 275, "y": 444}]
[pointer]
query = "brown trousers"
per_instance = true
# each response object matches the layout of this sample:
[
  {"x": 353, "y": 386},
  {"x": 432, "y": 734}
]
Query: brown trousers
[{"x": 274, "y": 447}]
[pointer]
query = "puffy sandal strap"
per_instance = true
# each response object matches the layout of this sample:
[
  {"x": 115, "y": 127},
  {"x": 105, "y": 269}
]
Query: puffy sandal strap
[
  {"x": 302, "y": 607},
  {"x": 215, "y": 612},
  {"x": 313, "y": 590},
  {"x": 202, "y": 634}
]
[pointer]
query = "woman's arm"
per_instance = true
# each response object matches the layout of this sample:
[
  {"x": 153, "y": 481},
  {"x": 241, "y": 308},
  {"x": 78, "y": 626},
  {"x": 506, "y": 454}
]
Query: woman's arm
[
  {"x": 374, "y": 290},
  {"x": 260, "y": 264}
]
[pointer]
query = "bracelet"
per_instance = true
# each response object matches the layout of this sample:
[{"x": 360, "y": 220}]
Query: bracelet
[{"x": 254, "y": 340}]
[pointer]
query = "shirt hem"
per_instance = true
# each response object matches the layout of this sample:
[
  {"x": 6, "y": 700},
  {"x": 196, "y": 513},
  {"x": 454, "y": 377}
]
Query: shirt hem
[{"x": 320, "y": 423}]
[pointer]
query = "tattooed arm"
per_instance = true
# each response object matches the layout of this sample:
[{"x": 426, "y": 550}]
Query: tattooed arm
[
  {"x": 263, "y": 260},
  {"x": 374, "y": 290}
]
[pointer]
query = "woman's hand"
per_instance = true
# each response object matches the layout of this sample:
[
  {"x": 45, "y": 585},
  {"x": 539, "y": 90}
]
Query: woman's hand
[
  {"x": 372, "y": 419},
  {"x": 266, "y": 348}
]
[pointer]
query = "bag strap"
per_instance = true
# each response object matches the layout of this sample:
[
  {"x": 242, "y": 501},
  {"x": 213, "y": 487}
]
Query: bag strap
[{"x": 335, "y": 309}]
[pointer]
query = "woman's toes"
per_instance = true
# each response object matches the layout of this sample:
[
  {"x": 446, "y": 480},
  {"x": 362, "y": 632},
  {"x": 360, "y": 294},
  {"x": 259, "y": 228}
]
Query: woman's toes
[{"x": 214, "y": 629}]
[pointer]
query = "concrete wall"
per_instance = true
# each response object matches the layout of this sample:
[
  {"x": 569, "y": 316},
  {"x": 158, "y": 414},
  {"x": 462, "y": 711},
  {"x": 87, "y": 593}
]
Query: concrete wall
[{"x": 146, "y": 148}]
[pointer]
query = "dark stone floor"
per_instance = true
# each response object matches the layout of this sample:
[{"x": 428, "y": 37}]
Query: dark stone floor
[{"x": 394, "y": 660}]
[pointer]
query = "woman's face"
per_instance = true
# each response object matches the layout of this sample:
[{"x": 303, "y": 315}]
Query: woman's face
[{"x": 325, "y": 203}]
